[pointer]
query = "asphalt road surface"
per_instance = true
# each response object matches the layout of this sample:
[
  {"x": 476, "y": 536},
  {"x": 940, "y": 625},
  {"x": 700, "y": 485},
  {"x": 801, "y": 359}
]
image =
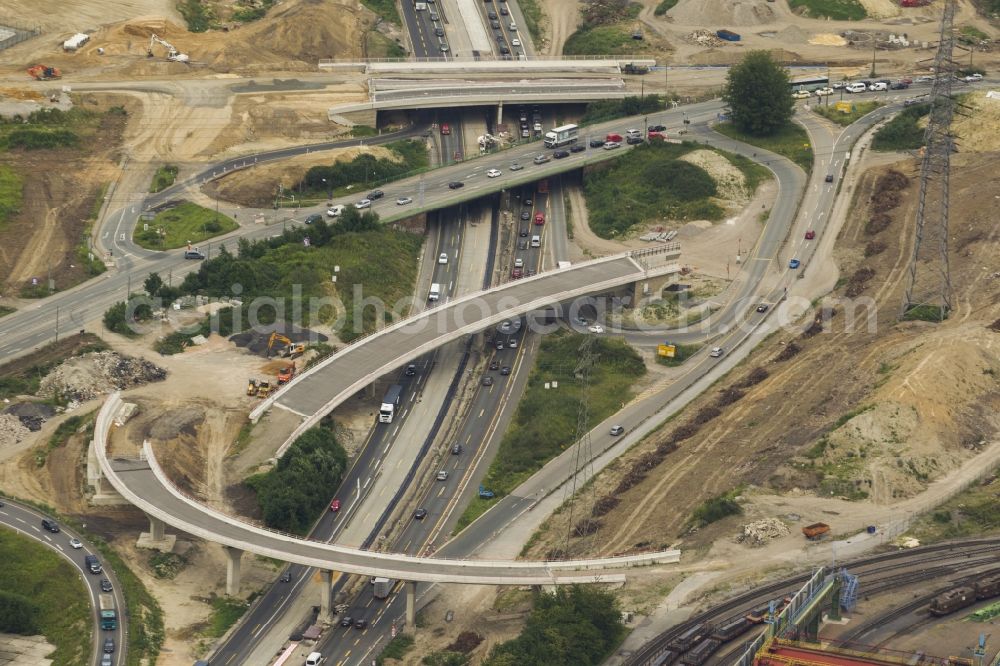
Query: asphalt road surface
[{"x": 28, "y": 522}]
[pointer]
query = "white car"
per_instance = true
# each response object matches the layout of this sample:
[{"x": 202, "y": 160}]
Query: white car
[
  {"x": 515, "y": 42},
  {"x": 973, "y": 77},
  {"x": 855, "y": 87},
  {"x": 364, "y": 203},
  {"x": 442, "y": 475},
  {"x": 716, "y": 352},
  {"x": 335, "y": 211},
  {"x": 443, "y": 259},
  {"x": 596, "y": 328},
  {"x": 823, "y": 92},
  {"x": 634, "y": 134},
  {"x": 75, "y": 543},
  {"x": 402, "y": 201},
  {"x": 801, "y": 94},
  {"x": 611, "y": 145},
  {"x": 493, "y": 173},
  {"x": 519, "y": 263}
]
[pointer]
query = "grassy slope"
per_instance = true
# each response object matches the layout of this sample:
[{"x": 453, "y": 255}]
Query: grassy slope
[
  {"x": 791, "y": 142},
  {"x": 36, "y": 572},
  {"x": 185, "y": 223},
  {"x": 545, "y": 421},
  {"x": 845, "y": 119},
  {"x": 838, "y": 10},
  {"x": 10, "y": 193}
]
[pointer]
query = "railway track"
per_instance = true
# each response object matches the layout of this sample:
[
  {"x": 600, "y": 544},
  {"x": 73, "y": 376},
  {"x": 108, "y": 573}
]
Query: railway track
[{"x": 861, "y": 566}]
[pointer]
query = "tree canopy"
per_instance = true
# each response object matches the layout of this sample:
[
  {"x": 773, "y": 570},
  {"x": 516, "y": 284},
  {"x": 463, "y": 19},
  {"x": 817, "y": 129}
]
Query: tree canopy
[{"x": 758, "y": 92}]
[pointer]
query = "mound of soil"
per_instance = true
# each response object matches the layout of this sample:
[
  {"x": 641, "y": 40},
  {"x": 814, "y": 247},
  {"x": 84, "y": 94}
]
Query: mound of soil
[
  {"x": 31, "y": 414},
  {"x": 256, "y": 341},
  {"x": 723, "y": 13}
]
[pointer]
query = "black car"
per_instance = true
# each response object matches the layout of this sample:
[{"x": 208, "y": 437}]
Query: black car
[
  {"x": 494, "y": 364},
  {"x": 361, "y": 624},
  {"x": 523, "y": 233},
  {"x": 762, "y": 307},
  {"x": 109, "y": 645},
  {"x": 419, "y": 514},
  {"x": 505, "y": 370},
  {"x": 439, "y": 32},
  {"x": 286, "y": 577},
  {"x": 527, "y": 202},
  {"x": 829, "y": 178},
  {"x": 411, "y": 370},
  {"x": 633, "y": 140},
  {"x": 899, "y": 85},
  {"x": 504, "y": 49},
  {"x": 495, "y": 25},
  {"x": 346, "y": 621},
  {"x": 375, "y": 194},
  {"x": 456, "y": 449},
  {"x": 578, "y": 148},
  {"x": 522, "y": 244},
  {"x": 657, "y": 128},
  {"x": 314, "y": 218},
  {"x": 492, "y": 14},
  {"x": 487, "y": 381},
  {"x": 525, "y": 215},
  {"x": 596, "y": 143},
  {"x": 50, "y": 525},
  {"x": 503, "y": 11},
  {"x": 559, "y": 154},
  {"x": 455, "y": 184},
  {"x": 106, "y": 585}
]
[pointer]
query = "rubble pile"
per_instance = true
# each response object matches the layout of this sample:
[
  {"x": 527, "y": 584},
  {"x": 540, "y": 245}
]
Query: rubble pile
[
  {"x": 703, "y": 37},
  {"x": 12, "y": 430},
  {"x": 760, "y": 532},
  {"x": 31, "y": 414},
  {"x": 85, "y": 377}
]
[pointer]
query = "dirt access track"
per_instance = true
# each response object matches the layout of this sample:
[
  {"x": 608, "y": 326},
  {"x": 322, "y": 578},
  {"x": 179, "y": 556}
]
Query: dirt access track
[{"x": 896, "y": 406}]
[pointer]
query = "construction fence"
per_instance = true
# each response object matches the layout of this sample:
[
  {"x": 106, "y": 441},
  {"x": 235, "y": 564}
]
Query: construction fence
[{"x": 12, "y": 33}]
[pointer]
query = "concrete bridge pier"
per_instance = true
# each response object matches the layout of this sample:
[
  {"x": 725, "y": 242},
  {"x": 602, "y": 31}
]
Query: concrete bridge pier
[
  {"x": 156, "y": 538},
  {"x": 325, "y": 593},
  {"x": 411, "y": 606},
  {"x": 499, "y": 114},
  {"x": 233, "y": 560}
]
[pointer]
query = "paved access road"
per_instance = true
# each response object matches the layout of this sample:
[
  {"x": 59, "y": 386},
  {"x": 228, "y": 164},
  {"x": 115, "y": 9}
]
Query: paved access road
[{"x": 28, "y": 522}]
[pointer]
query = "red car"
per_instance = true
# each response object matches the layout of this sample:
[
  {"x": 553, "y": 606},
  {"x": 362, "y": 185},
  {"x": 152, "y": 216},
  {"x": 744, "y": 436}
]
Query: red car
[
  {"x": 810, "y": 235},
  {"x": 445, "y": 129},
  {"x": 335, "y": 505},
  {"x": 517, "y": 273},
  {"x": 657, "y": 135},
  {"x": 539, "y": 219},
  {"x": 614, "y": 137}
]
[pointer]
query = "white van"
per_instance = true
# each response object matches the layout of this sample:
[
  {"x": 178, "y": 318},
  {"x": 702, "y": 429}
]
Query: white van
[
  {"x": 855, "y": 87},
  {"x": 435, "y": 292},
  {"x": 335, "y": 211},
  {"x": 536, "y": 241},
  {"x": 314, "y": 659}
]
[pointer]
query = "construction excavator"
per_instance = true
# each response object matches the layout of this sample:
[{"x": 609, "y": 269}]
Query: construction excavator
[
  {"x": 44, "y": 72},
  {"x": 291, "y": 349},
  {"x": 172, "y": 53}
]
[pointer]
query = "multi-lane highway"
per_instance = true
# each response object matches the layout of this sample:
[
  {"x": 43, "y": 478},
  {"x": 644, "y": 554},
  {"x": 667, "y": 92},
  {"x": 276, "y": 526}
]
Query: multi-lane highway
[{"x": 28, "y": 522}]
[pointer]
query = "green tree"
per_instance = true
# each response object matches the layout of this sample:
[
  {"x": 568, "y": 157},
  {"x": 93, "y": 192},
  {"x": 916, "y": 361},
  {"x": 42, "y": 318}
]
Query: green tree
[
  {"x": 153, "y": 284},
  {"x": 18, "y": 614},
  {"x": 757, "y": 91}
]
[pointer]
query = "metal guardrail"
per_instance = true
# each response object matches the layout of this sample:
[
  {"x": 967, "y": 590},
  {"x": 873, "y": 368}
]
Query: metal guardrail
[{"x": 467, "y": 59}]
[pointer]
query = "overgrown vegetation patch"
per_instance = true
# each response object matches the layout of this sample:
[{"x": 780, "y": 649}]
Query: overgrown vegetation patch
[
  {"x": 385, "y": 9},
  {"x": 838, "y": 10},
  {"x": 180, "y": 225},
  {"x": 791, "y": 141},
  {"x": 367, "y": 170},
  {"x": 609, "y": 109},
  {"x": 858, "y": 109},
  {"x": 902, "y": 132},
  {"x": 40, "y": 592},
  {"x": 298, "y": 488},
  {"x": 603, "y": 29},
  {"x": 651, "y": 184},
  {"x": 164, "y": 178},
  {"x": 10, "y": 194},
  {"x": 545, "y": 421}
]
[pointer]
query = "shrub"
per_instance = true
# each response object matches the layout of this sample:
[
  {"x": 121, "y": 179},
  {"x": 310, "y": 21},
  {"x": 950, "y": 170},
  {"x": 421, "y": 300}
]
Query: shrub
[
  {"x": 706, "y": 414},
  {"x": 790, "y": 350},
  {"x": 874, "y": 248},
  {"x": 902, "y": 132},
  {"x": 878, "y": 223},
  {"x": 756, "y": 376},
  {"x": 856, "y": 285},
  {"x": 729, "y": 396},
  {"x": 716, "y": 509},
  {"x": 604, "y": 506}
]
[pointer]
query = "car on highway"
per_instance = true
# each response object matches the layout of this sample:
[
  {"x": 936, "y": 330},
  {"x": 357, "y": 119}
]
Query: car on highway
[
  {"x": 456, "y": 449},
  {"x": 75, "y": 543},
  {"x": 193, "y": 254},
  {"x": 823, "y": 92},
  {"x": 527, "y": 202},
  {"x": 523, "y": 244},
  {"x": 455, "y": 184},
  {"x": 716, "y": 352},
  {"x": 657, "y": 128},
  {"x": 335, "y": 211},
  {"x": 495, "y": 24},
  {"x": 335, "y": 505},
  {"x": 512, "y": 343},
  {"x": 286, "y": 577},
  {"x": 519, "y": 263},
  {"x": 878, "y": 85},
  {"x": 611, "y": 145},
  {"x": 923, "y": 79},
  {"x": 971, "y": 78},
  {"x": 794, "y": 263},
  {"x": 504, "y": 11},
  {"x": 525, "y": 215},
  {"x": 487, "y": 381},
  {"x": 443, "y": 258},
  {"x": 595, "y": 328},
  {"x": 505, "y": 370},
  {"x": 516, "y": 167},
  {"x": 515, "y": 42},
  {"x": 411, "y": 370},
  {"x": 578, "y": 148},
  {"x": 494, "y": 364},
  {"x": 106, "y": 585},
  {"x": 541, "y": 159},
  {"x": 491, "y": 14},
  {"x": 50, "y": 525},
  {"x": 107, "y": 660},
  {"x": 810, "y": 234},
  {"x": 315, "y": 217},
  {"x": 539, "y": 218},
  {"x": 443, "y": 47},
  {"x": 445, "y": 129},
  {"x": 442, "y": 475},
  {"x": 617, "y": 430},
  {"x": 439, "y": 32},
  {"x": 633, "y": 140},
  {"x": 516, "y": 274},
  {"x": 829, "y": 178},
  {"x": 596, "y": 143},
  {"x": 493, "y": 173},
  {"x": 857, "y": 87},
  {"x": 762, "y": 307},
  {"x": 420, "y": 514},
  {"x": 375, "y": 194},
  {"x": 839, "y": 84},
  {"x": 801, "y": 94},
  {"x": 504, "y": 49},
  {"x": 361, "y": 624},
  {"x": 403, "y": 201},
  {"x": 899, "y": 85},
  {"x": 109, "y": 645},
  {"x": 364, "y": 203},
  {"x": 345, "y": 621},
  {"x": 559, "y": 154}
]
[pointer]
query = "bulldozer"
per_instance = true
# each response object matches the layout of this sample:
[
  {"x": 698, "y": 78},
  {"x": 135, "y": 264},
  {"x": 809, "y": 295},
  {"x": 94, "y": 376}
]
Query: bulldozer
[
  {"x": 44, "y": 72},
  {"x": 286, "y": 374}
]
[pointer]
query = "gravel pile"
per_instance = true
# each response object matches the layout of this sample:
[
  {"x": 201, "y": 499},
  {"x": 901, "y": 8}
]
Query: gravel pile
[
  {"x": 12, "y": 430},
  {"x": 31, "y": 414},
  {"x": 86, "y": 377},
  {"x": 760, "y": 532}
]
